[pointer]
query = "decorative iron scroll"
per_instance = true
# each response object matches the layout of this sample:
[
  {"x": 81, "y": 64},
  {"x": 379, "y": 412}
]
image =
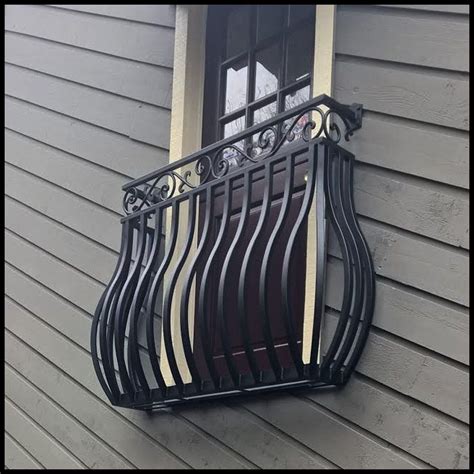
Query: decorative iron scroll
[
  {"x": 177, "y": 267},
  {"x": 265, "y": 140}
]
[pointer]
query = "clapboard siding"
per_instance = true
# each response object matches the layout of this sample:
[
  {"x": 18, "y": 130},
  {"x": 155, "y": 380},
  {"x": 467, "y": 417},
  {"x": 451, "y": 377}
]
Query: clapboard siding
[
  {"x": 103, "y": 147},
  {"x": 463, "y": 9},
  {"x": 116, "y": 113},
  {"x": 156, "y": 14},
  {"x": 88, "y": 93},
  {"x": 77, "y": 176},
  {"x": 90, "y": 449},
  {"x": 408, "y": 66},
  {"x": 61, "y": 205},
  {"x": 435, "y": 97},
  {"x": 47, "y": 450},
  {"x": 143, "y": 82},
  {"x": 424, "y": 208},
  {"x": 16, "y": 457},
  {"x": 440, "y": 42},
  {"x": 150, "y": 44},
  {"x": 72, "y": 247},
  {"x": 412, "y": 315},
  {"x": 409, "y": 260},
  {"x": 415, "y": 148},
  {"x": 436, "y": 440}
]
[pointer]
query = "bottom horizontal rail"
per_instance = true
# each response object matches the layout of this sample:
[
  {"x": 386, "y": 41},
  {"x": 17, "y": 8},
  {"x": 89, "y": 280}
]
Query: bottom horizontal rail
[{"x": 200, "y": 398}]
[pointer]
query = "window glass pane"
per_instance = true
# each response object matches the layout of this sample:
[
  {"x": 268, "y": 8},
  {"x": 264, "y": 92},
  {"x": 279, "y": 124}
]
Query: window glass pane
[
  {"x": 234, "y": 127},
  {"x": 300, "y": 54},
  {"x": 236, "y": 86},
  {"x": 296, "y": 98},
  {"x": 270, "y": 20},
  {"x": 301, "y": 12},
  {"x": 264, "y": 113},
  {"x": 238, "y": 30},
  {"x": 267, "y": 71},
  {"x": 230, "y": 129}
]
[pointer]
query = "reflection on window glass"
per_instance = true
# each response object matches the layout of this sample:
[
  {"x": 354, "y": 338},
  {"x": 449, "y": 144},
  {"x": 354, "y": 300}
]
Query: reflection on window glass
[
  {"x": 234, "y": 127},
  {"x": 270, "y": 20},
  {"x": 298, "y": 127},
  {"x": 238, "y": 30},
  {"x": 300, "y": 54},
  {"x": 264, "y": 113},
  {"x": 230, "y": 129},
  {"x": 296, "y": 98},
  {"x": 301, "y": 12},
  {"x": 236, "y": 86},
  {"x": 267, "y": 71}
]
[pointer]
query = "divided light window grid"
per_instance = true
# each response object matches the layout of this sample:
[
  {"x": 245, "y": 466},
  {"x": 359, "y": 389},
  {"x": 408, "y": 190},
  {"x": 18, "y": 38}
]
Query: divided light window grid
[{"x": 265, "y": 64}]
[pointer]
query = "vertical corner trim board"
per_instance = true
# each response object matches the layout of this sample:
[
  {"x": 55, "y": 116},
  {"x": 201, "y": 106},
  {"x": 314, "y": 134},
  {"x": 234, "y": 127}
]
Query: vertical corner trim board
[{"x": 323, "y": 71}]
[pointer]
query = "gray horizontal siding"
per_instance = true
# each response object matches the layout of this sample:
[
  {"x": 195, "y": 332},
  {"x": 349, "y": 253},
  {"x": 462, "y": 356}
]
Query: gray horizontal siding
[
  {"x": 408, "y": 66},
  {"x": 87, "y": 447},
  {"x": 36, "y": 440},
  {"x": 426, "y": 41},
  {"x": 418, "y": 149},
  {"x": 86, "y": 112},
  {"x": 115, "y": 113},
  {"x": 401, "y": 90},
  {"x": 155, "y": 14},
  {"x": 16, "y": 457},
  {"x": 143, "y": 82},
  {"x": 113, "y": 36},
  {"x": 462, "y": 9}
]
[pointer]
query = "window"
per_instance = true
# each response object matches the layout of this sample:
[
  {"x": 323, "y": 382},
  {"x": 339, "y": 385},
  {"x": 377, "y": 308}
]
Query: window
[{"x": 259, "y": 62}]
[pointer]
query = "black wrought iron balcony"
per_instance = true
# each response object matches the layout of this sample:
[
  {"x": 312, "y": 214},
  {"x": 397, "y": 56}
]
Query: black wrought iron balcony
[{"x": 219, "y": 287}]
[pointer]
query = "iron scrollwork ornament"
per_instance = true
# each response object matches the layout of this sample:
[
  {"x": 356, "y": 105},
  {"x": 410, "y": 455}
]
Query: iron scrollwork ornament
[{"x": 227, "y": 155}]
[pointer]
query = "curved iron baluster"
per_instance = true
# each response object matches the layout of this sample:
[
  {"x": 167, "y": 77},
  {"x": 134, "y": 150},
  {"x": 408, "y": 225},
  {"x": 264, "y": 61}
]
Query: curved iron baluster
[
  {"x": 133, "y": 368},
  {"x": 288, "y": 318},
  {"x": 139, "y": 301},
  {"x": 321, "y": 254},
  {"x": 242, "y": 294},
  {"x": 335, "y": 215},
  {"x": 123, "y": 307},
  {"x": 369, "y": 273},
  {"x": 169, "y": 294},
  {"x": 263, "y": 280},
  {"x": 105, "y": 342},
  {"x": 356, "y": 268},
  {"x": 152, "y": 296},
  {"x": 202, "y": 314},
  {"x": 244, "y": 214},
  {"x": 184, "y": 320},
  {"x": 94, "y": 353}
]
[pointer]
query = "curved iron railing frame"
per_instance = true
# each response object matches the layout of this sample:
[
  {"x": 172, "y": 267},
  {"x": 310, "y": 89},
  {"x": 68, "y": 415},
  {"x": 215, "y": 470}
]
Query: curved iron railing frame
[{"x": 133, "y": 289}]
